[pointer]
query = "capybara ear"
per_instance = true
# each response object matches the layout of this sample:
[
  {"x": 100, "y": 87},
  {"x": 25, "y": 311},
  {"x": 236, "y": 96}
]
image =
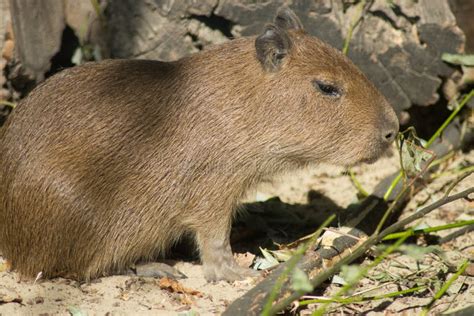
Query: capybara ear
[
  {"x": 272, "y": 47},
  {"x": 287, "y": 19}
]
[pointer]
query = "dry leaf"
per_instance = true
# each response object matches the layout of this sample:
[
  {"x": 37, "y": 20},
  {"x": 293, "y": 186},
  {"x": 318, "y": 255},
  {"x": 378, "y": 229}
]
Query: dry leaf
[
  {"x": 124, "y": 296},
  {"x": 185, "y": 300},
  {"x": 244, "y": 260},
  {"x": 5, "y": 266},
  {"x": 469, "y": 270},
  {"x": 8, "y": 298},
  {"x": 176, "y": 287}
]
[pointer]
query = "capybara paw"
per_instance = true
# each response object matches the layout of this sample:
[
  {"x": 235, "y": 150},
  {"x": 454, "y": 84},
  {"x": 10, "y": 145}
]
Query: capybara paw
[{"x": 230, "y": 273}]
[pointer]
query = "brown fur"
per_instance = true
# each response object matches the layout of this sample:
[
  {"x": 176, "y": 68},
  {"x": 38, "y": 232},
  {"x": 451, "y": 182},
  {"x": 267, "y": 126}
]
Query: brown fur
[{"x": 111, "y": 162}]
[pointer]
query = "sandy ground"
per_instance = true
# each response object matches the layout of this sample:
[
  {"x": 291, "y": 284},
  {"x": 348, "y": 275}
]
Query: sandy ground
[{"x": 129, "y": 295}]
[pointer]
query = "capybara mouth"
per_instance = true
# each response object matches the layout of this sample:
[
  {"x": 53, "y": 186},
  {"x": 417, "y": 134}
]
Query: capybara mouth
[
  {"x": 377, "y": 153},
  {"x": 370, "y": 160}
]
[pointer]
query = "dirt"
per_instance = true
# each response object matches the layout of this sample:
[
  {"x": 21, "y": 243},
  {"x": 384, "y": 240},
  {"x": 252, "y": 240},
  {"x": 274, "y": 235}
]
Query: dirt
[{"x": 130, "y": 295}]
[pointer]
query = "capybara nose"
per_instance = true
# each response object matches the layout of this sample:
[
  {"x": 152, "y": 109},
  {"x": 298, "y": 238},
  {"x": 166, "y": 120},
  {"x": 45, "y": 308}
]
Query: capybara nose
[{"x": 390, "y": 133}]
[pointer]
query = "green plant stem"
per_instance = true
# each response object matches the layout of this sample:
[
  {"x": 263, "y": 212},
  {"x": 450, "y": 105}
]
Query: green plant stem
[
  {"x": 401, "y": 195},
  {"x": 291, "y": 265},
  {"x": 8, "y": 103},
  {"x": 95, "y": 4},
  {"x": 345, "y": 48},
  {"x": 445, "y": 287},
  {"x": 358, "y": 298},
  {"x": 392, "y": 186},
  {"x": 442, "y": 159},
  {"x": 429, "y": 229},
  {"x": 363, "y": 272},
  {"x": 371, "y": 241},
  {"x": 357, "y": 184},
  {"x": 450, "y": 118}
]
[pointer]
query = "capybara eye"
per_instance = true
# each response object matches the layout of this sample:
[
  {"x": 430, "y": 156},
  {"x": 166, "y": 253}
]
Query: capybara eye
[{"x": 327, "y": 89}]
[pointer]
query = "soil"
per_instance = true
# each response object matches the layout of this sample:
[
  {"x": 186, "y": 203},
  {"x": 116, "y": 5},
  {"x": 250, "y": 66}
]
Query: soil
[{"x": 131, "y": 295}]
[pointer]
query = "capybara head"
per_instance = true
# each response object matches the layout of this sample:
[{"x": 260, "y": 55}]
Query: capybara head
[{"x": 333, "y": 112}]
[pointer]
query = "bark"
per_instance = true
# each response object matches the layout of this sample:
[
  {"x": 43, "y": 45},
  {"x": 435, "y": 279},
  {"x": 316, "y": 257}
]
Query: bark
[
  {"x": 399, "y": 47},
  {"x": 38, "y": 27}
]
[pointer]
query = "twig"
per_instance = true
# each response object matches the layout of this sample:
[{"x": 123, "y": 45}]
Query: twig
[
  {"x": 371, "y": 241},
  {"x": 364, "y": 270},
  {"x": 456, "y": 234},
  {"x": 402, "y": 194},
  {"x": 459, "y": 179},
  {"x": 292, "y": 264},
  {"x": 445, "y": 200}
]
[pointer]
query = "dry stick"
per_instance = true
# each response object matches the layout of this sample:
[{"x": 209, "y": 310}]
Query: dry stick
[
  {"x": 371, "y": 241},
  {"x": 451, "y": 187},
  {"x": 456, "y": 234},
  {"x": 292, "y": 264},
  {"x": 363, "y": 272},
  {"x": 402, "y": 194},
  {"x": 252, "y": 302}
]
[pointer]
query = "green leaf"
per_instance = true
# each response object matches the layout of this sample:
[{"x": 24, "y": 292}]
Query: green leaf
[
  {"x": 282, "y": 255},
  {"x": 75, "y": 311},
  {"x": 417, "y": 252},
  {"x": 300, "y": 281},
  {"x": 458, "y": 59},
  {"x": 267, "y": 262},
  {"x": 413, "y": 154},
  {"x": 351, "y": 273}
]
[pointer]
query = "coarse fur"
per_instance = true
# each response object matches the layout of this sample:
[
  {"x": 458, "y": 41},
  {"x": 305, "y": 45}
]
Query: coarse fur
[{"x": 112, "y": 162}]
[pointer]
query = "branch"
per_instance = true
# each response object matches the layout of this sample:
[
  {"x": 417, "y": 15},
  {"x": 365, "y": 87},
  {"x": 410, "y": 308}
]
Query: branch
[{"x": 373, "y": 240}]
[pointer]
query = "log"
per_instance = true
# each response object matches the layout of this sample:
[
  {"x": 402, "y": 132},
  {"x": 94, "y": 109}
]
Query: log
[
  {"x": 38, "y": 27},
  {"x": 398, "y": 46}
]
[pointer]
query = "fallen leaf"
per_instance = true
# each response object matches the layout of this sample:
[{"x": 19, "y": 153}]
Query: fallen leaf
[
  {"x": 5, "y": 266},
  {"x": 8, "y": 298},
  {"x": 267, "y": 262},
  {"x": 176, "y": 287},
  {"x": 185, "y": 300},
  {"x": 244, "y": 259},
  {"x": 469, "y": 270},
  {"x": 124, "y": 296}
]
